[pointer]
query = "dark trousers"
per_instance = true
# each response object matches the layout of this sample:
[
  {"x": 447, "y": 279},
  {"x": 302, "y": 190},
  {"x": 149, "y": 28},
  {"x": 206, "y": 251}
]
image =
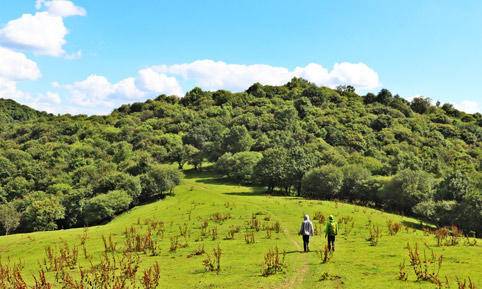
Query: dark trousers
[
  {"x": 306, "y": 242},
  {"x": 331, "y": 242}
]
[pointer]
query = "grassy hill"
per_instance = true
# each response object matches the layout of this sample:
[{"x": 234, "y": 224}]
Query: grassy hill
[{"x": 202, "y": 198}]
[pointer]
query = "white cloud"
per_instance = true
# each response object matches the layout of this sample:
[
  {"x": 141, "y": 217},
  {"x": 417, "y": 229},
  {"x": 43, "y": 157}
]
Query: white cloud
[
  {"x": 91, "y": 91},
  {"x": 213, "y": 75},
  {"x": 16, "y": 66},
  {"x": 53, "y": 97},
  {"x": 97, "y": 93},
  {"x": 469, "y": 106},
  {"x": 152, "y": 81},
  {"x": 127, "y": 87},
  {"x": 356, "y": 74},
  {"x": 8, "y": 89},
  {"x": 62, "y": 8},
  {"x": 43, "y": 32},
  {"x": 48, "y": 102}
]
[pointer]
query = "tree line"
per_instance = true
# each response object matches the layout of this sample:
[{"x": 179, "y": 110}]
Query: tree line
[{"x": 415, "y": 157}]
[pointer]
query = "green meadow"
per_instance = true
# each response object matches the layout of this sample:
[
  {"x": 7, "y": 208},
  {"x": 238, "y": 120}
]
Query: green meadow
[{"x": 202, "y": 200}]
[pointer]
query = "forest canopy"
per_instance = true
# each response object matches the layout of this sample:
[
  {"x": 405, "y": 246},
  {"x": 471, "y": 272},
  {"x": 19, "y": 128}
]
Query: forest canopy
[{"x": 412, "y": 157}]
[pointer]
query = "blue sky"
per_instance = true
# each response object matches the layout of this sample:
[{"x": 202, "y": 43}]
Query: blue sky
[{"x": 89, "y": 56}]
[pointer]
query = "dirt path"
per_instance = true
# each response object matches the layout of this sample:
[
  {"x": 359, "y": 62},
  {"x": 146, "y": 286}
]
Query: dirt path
[{"x": 300, "y": 274}]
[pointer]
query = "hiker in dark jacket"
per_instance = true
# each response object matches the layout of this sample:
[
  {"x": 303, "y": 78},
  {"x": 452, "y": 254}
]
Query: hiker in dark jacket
[
  {"x": 331, "y": 230},
  {"x": 306, "y": 231}
]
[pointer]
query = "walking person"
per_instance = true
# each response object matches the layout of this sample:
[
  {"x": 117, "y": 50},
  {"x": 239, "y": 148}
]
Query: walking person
[
  {"x": 331, "y": 230},
  {"x": 306, "y": 231}
]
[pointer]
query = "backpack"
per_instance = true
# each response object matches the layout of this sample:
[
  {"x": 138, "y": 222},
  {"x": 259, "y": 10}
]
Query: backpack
[{"x": 332, "y": 231}]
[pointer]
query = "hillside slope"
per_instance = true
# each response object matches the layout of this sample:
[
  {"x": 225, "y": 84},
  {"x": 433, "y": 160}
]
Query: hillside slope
[
  {"x": 11, "y": 111},
  {"x": 199, "y": 198},
  {"x": 414, "y": 157}
]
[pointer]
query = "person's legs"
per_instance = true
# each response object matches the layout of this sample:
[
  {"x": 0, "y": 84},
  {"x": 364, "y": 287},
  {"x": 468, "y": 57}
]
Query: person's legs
[
  {"x": 331, "y": 243},
  {"x": 306, "y": 240}
]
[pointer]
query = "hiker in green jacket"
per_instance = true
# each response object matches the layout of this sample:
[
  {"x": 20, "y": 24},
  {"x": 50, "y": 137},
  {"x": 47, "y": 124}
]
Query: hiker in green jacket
[{"x": 331, "y": 230}]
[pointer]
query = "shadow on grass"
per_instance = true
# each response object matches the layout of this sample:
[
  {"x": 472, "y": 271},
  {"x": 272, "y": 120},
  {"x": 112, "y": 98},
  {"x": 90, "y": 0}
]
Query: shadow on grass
[
  {"x": 416, "y": 225},
  {"x": 201, "y": 173},
  {"x": 209, "y": 177},
  {"x": 217, "y": 180},
  {"x": 253, "y": 192},
  {"x": 296, "y": 251}
]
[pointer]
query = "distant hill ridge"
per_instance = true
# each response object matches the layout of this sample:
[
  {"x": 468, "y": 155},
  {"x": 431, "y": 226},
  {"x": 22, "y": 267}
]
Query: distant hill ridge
[{"x": 11, "y": 111}]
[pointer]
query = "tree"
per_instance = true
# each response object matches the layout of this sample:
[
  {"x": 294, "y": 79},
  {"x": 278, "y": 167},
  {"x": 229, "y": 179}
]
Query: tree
[
  {"x": 421, "y": 104},
  {"x": 384, "y": 96},
  {"x": 442, "y": 213},
  {"x": 302, "y": 105},
  {"x": 323, "y": 182},
  {"x": 105, "y": 206},
  {"x": 355, "y": 180},
  {"x": 196, "y": 158},
  {"x": 237, "y": 139},
  {"x": 285, "y": 118},
  {"x": 300, "y": 160},
  {"x": 42, "y": 212},
  {"x": 317, "y": 96},
  {"x": 409, "y": 188},
  {"x": 119, "y": 181},
  {"x": 454, "y": 187},
  {"x": 121, "y": 151},
  {"x": 381, "y": 122},
  {"x": 9, "y": 217},
  {"x": 138, "y": 164},
  {"x": 182, "y": 154},
  {"x": 256, "y": 90},
  {"x": 17, "y": 187},
  {"x": 272, "y": 170},
  {"x": 7, "y": 168},
  {"x": 159, "y": 180},
  {"x": 239, "y": 166}
]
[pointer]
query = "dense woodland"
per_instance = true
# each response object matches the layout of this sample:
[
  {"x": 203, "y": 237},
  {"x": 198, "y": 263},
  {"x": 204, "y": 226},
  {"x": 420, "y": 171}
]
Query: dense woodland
[{"x": 381, "y": 150}]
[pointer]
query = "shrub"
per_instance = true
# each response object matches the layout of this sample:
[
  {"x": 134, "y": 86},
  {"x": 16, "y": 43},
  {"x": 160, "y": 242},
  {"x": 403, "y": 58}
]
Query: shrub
[
  {"x": 409, "y": 188},
  {"x": 323, "y": 182},
  {"x": 239, "y": 166},
  {"x": 249, "y": 238},
  {"x": 402, "y": 274},
  {"x": 325, "y": 254},
  {"x": 393, "y": 227},
  {"x": 273, "y": 263},
  {"x": 159, "y": 180},
  {"x": 105, "y": 206},
  {"x": 42, "y": 212},
  {"x": 213, "y": 263},
  {"x": 355, "y": 178},
  {"x": 9, "y": 217},
  {"x": 426, "y": 268},
  {"x": 374, "y": 235},
  {"x": 150, "y": 277}
]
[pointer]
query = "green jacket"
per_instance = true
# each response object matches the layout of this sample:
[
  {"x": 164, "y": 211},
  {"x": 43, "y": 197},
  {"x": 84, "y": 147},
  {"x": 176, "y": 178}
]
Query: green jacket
[{"x": 328, "y": 227}]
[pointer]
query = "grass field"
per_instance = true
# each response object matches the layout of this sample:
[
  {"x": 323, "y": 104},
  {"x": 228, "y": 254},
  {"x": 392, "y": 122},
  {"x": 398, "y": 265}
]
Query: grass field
[{"x": 355, "y": 264}]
